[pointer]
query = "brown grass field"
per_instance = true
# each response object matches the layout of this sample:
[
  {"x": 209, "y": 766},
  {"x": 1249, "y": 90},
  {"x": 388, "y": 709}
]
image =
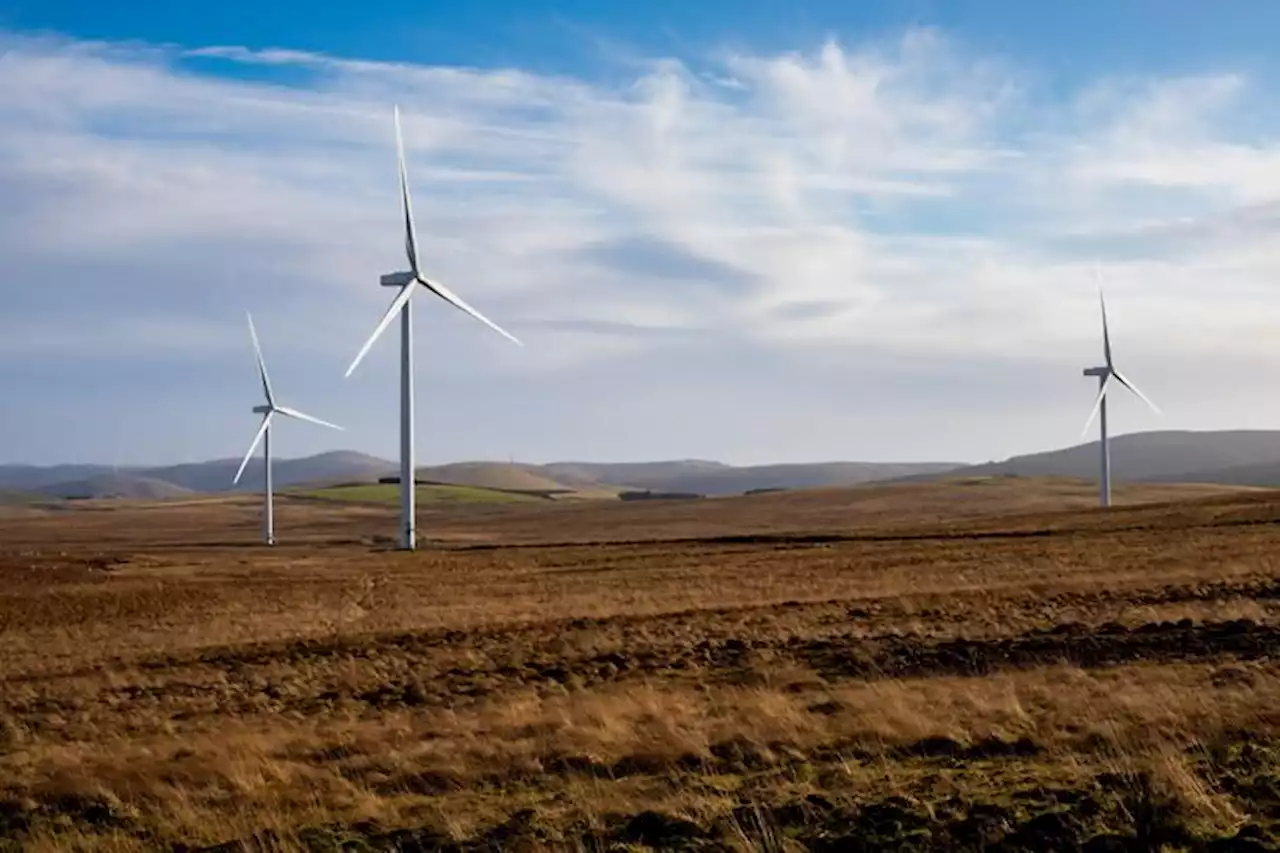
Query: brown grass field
[{"x": 992, "y": 665}]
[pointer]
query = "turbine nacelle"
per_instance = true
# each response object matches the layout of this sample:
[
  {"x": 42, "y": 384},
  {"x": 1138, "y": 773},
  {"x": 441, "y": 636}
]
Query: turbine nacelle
[{"x": 398, "y": 279}]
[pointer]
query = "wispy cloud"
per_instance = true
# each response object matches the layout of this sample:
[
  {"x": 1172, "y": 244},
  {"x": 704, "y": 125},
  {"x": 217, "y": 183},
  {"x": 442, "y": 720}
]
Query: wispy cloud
[{"x": 870, "y": 205}]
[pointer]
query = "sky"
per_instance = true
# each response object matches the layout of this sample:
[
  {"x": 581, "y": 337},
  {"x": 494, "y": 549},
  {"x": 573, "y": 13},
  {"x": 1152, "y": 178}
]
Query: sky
[{"x": 750, "y": 231}]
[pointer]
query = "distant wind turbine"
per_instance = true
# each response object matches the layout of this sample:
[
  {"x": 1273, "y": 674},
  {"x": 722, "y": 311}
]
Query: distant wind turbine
[
  {"x": 1105, "y": 374},
  {"x": 269, "y": 411},
  {"x": 407, "y": 281}
]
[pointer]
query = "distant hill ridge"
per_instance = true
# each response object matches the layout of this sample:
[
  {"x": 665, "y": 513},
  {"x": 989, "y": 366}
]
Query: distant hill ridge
[
  {"x": 692, "y": 475},
  {"x": 716, "y": 478},
  {"x": 113, "y": 485},
  {"x": 1230, "y": 457}
]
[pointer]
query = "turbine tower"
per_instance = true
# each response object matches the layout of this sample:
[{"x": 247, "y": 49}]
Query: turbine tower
[
  {"x": 407, "y": 281},
  {"x": 268, "y": 411},
  {"x": 1105, "y": 374}
]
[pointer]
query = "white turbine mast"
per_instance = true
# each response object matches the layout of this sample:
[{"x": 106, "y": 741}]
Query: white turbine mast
[
  {"x": 1105, "y": 374},
  {"x": 407, "y": 281},
  {"x": 268, "y": 411}
]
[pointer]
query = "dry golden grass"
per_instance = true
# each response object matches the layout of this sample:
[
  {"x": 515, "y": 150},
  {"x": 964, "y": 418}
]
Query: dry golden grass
[{"x": 762, "y": 673}]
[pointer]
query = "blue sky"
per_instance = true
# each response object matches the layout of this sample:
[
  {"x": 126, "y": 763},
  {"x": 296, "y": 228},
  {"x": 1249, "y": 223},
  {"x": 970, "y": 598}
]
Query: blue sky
[
  {"x": 758, "y": 231},
  {"x": 1069, "y": 40}
]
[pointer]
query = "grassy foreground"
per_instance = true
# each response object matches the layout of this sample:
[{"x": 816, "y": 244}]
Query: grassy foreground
[{"x": 1051, "y": 682}]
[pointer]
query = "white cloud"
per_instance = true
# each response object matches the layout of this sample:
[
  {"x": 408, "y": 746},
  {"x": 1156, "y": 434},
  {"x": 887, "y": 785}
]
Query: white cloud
[
  {"x": 878, "y": 203},
  {"x": 1168, "y": 134}
]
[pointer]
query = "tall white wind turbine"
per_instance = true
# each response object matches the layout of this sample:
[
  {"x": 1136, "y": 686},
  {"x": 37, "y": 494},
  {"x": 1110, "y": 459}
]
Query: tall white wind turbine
[
  {"x": 269, "y": 411},
  {"x": 407, "y": 281},
  {"x": 1105, "y": 374}
]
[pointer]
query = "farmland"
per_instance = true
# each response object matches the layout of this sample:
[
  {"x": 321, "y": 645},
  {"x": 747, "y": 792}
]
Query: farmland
[
  {"x": 390, "y": 494},
  {"x": 981, "y": 664}
]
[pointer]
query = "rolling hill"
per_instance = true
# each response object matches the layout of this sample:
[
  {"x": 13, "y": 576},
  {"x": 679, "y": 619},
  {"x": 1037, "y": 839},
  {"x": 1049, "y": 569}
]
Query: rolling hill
[
  {"x": 693, "y": 475},
  {"x": 495, "y": 475},
  {"x": 654, "y": 475},
  {"x": 114, "y": 485},
  {"x": 1266, "y": 474},
  {"x": 28, "y": 478},
  {"x": 597, "y": 479},
  {"x": 434, "y": 494},
  {"x": 339, "y": 466},
  {"x": 716, "y": 479},
  {"x": 1231, "y": 457}
]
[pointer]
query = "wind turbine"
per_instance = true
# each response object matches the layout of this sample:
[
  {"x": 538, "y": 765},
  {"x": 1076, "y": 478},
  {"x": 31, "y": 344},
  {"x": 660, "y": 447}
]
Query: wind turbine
[
  {"x": 407, "y": 281},
  {"x": 268, "y": 411},
  {"x": 1105, "y": 374}
]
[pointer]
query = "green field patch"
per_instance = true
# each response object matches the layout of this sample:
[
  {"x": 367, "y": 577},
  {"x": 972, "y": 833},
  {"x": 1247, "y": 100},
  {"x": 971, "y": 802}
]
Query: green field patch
[
  {"x": 390, "y": 493},
  {"x": 16, "y": 497}
]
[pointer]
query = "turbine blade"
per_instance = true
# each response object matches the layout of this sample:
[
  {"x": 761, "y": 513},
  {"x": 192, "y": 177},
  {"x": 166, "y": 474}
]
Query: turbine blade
[
  {"x": 1106, "y": 335},
  {"x": 396, "y": 304},
  {"x": 257, "y": 437},
  {"x": 1134, "y": 388},
  {"x": 1097, "y": 403},
  {"x": 262, "y": 365},
  {"x": 411, "y": 245},
  {"x": 303, "y": 416},
  {"x": 410, "y": 236},
  {"x": 456, "y": 301}
]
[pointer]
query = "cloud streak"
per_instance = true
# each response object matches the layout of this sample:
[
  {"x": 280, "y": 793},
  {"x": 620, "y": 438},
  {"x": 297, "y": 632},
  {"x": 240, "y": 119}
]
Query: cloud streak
[{"x": 838, "y": 212}]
